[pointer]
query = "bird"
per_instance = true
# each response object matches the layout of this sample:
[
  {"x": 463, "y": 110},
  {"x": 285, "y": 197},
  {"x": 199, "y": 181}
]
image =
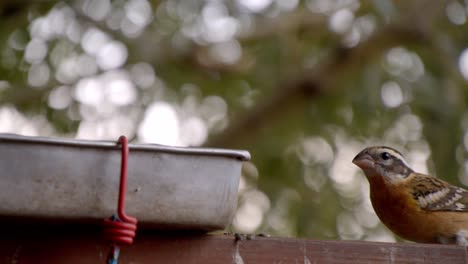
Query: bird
[{"x": 415, "y": 206}]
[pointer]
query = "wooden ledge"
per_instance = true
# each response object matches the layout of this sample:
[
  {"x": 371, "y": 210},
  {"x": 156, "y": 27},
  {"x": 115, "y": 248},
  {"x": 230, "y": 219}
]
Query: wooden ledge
[{"x": 77, "y": 246}]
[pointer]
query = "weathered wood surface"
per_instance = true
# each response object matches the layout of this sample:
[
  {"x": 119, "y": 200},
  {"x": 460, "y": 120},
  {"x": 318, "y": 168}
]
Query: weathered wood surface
[{"x": 21, "y": 245}]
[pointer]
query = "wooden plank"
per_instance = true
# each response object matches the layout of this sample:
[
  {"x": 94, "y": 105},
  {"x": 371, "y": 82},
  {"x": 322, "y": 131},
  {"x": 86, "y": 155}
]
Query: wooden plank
[{"x": 71, "y": 244}]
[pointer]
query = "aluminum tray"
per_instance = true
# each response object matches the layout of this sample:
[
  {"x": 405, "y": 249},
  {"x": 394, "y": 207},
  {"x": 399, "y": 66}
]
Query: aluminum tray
[{"x": 167, "y": 187}]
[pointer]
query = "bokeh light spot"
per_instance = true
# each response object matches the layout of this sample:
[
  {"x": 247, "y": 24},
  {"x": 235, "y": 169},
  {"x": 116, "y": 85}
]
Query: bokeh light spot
[
  {"x": 60, "y": 98},
  {"x": 139, "y": 12},
  {"x": 456, "y": 13},
  {"x": 463, "y": 63},
  {"x": 341, "y": 21},
  {"x": 89, "y": 91},
  {"x": 391, "y": 94},
  {"x": 255, "y": 5},
  {"x": 93, "y": 40},
  {"x": 121, "y": 91},
  {"x": 160, "y": 125},
  {"x": 112, "y": 55},
  {"x": 36, "y": 51},
  {"x": 38, "y": 75}
]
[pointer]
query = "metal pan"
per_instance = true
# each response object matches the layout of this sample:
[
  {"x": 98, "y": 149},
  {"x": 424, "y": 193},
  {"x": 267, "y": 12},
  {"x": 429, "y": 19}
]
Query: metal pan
[{"x": 167, "y": 187}]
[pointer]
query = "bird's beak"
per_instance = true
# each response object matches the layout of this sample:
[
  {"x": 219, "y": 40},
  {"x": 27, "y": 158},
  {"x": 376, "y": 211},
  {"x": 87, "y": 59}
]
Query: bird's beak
[{"x": 363, "y": 160}]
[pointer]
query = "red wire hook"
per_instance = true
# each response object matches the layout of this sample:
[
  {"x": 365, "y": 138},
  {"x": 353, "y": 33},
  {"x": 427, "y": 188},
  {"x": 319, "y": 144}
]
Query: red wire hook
[
  {"x": 122, "y": 229},
  {"x": 123, "y": 183}
]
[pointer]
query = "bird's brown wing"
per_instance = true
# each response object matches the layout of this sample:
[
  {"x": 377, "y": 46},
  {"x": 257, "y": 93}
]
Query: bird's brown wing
[{"x": 436, "y": 195}]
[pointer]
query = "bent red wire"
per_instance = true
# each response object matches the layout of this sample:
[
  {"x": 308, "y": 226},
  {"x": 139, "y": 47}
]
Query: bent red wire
[
  {"x": 122, "y": 229},
  {"x": 123, "y": 183}
]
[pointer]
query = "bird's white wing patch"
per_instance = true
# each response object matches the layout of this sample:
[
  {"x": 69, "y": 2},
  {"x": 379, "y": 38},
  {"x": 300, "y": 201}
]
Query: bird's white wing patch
[
  {"x": 449, "y": 199},
  {"x": 434, "y": 199}
]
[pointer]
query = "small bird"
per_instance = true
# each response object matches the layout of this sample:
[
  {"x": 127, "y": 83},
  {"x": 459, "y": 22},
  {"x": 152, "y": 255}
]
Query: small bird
[{"x": 415, "y": 206}]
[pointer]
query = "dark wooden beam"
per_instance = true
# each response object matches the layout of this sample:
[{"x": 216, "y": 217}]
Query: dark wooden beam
[{"x": 70, "y": 244}]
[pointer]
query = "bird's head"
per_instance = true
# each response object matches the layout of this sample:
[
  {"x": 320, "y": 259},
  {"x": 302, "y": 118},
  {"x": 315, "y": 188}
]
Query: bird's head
[{"x": 383, "y": 162}]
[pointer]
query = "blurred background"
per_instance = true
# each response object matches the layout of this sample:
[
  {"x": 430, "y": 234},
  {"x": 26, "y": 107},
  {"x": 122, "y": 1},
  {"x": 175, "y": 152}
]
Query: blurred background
[{"x": 303, "y": 85}]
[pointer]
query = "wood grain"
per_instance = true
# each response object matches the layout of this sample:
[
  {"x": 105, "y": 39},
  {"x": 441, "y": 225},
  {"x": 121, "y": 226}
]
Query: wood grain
[{"x": 72, "y": 244}]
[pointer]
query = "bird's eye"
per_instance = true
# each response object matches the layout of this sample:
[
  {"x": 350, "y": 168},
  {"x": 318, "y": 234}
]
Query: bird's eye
[{"x": 385, "y": 156}]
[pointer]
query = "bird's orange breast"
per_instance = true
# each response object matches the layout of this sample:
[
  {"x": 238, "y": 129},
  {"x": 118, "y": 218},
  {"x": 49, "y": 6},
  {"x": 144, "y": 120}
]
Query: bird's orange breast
[{"x": 401, "y": 213}]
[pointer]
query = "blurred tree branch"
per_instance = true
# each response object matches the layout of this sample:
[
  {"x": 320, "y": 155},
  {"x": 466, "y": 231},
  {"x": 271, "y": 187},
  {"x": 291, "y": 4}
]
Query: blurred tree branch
[
  {"x": 314, "y": 83},
  {"x": 311, "y": 84},
  {"x": 300, "y": 20}
]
